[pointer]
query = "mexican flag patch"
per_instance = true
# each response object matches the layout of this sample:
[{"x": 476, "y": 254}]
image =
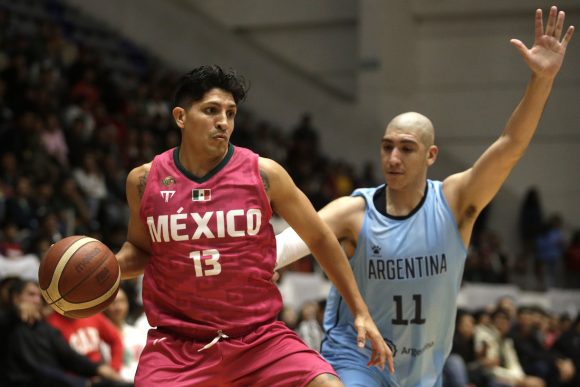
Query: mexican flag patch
[{"x": 201, "y": 195}]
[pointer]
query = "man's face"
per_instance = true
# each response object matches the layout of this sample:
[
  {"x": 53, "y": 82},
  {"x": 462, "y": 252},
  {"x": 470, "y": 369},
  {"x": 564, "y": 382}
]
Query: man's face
[
  {"x": 404, "y": 157},
  {"x": 208, "y": 123},
  {"x": 502, "y": 324},
  {"x": 30, "y": 294}
]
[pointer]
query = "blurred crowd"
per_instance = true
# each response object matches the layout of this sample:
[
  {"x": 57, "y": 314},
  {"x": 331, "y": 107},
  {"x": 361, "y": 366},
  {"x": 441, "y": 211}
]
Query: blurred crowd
[
  {"x": 505, "y": 345},
  {"x": 80, "y": 106}
]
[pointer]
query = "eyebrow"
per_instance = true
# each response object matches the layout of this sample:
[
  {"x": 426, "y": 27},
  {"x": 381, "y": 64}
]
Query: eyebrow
[
  {"x": 404, "y": 141},
  {"x": 216, "y": 103}
]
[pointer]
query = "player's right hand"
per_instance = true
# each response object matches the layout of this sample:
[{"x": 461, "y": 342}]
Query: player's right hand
[{"x": 381, "y": 353}]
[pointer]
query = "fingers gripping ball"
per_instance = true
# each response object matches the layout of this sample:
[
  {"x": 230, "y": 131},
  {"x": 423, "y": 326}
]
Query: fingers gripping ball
[{"x": 79, "y": 276}]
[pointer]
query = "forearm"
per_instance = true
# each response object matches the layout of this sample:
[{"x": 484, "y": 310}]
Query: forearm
[
  {"x": 132, "y": 260},
  {"x": 524, "y": 120},
  {"x": 334, "y": 262}
]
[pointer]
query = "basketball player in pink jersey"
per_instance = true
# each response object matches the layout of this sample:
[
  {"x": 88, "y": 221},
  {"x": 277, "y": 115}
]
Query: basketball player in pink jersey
[{"x": 199, "y": 229}]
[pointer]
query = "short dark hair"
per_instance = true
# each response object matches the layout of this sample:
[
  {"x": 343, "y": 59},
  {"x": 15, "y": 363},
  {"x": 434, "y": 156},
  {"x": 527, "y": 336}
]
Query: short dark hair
[
  {"x": 193, "y": 85},
  {"x": 500, "y": 312},
  {"x": 17, "y": 287}
]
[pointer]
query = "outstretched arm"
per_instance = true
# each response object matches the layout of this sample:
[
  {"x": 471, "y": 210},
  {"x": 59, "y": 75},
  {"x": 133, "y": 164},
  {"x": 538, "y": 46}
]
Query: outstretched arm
[
  {"x": 290, "y": 203},
  {"x": 344, "y": 217},
  {"x": 470, "y": 191}
]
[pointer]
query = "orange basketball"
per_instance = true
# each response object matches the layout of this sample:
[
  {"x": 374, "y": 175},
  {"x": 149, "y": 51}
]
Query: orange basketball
[{"x": 79, "y": 276}]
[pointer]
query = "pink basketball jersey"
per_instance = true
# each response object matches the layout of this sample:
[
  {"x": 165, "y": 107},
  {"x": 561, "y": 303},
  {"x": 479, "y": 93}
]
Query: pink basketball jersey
[{"x": 213, "y": 248}]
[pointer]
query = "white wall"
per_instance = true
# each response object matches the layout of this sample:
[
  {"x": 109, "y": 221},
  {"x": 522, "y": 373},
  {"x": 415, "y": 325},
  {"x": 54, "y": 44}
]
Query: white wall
[{"x": 448, "y": 59}]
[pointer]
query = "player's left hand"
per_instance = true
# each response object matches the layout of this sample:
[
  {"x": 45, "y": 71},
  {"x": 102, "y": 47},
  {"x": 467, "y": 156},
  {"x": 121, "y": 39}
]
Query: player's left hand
[
  {"x": 547, "y": 54},
  {"x": 381, "y": 353}
]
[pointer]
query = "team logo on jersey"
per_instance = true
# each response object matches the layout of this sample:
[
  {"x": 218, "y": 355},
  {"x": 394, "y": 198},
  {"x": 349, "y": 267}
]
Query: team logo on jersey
[
  {"x": 376, "y": 249},
  {"x": 166, "y": 195},
  {"x": 168, "y": 181},
  {"x": 201, "y": 195}
]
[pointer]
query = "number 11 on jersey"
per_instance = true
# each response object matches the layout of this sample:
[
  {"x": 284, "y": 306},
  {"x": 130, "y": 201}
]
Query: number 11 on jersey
[{"x": 399, "y": 320}]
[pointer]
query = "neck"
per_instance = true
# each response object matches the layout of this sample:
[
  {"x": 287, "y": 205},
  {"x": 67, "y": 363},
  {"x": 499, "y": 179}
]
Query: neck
[
  {"x": 402, "y": 202},
  {"x": 198, "y": 163}
]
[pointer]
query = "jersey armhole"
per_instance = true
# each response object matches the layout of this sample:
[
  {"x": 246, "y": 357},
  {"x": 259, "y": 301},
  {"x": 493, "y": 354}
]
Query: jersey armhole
[
  {"x": 143, "y": 200},
  {"x": 441, "y": 196}
]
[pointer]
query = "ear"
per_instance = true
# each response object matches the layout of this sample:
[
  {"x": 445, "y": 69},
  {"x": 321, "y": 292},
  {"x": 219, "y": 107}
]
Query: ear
[
  {"x": 179, "y": 116},
  {"x": 432, "y": 155}
]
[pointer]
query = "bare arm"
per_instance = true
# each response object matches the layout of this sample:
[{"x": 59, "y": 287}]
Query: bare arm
[
  {"x": 134, "y": 253},
  {"x": 290, "y": 203},
  {"x": 470, "y": 191},
  {"x": 344, "y": 216}
]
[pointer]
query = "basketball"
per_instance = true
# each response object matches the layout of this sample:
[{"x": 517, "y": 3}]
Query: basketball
[{"x": 79, "y": 276}]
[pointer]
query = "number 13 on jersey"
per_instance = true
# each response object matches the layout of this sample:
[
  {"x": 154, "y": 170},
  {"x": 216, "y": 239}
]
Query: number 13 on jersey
[{"x": 206, "y": 262}]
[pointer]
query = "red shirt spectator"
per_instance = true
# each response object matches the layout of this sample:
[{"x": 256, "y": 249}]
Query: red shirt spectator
[{"x": 87, "y": 334}]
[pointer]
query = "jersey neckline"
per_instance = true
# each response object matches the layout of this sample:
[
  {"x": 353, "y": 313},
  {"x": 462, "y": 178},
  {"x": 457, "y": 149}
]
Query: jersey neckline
[
  {"x": 380, "y": 199},
  {"x": 208, "y": 175}
]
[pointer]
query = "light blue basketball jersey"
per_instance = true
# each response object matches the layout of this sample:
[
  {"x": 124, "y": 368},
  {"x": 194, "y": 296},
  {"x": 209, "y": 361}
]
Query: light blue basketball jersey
[{"x": 408, "y": 270}]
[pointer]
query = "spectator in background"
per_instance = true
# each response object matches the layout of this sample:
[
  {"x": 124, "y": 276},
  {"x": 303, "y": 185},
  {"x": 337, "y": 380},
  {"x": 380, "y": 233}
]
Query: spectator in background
[
  {"x": 530, "y": 223},
  {"x": 35, "y": 354},
  {"x": 535, "y": 358},
  {"x": 13, "y": 258},
  {"x": 20, "y": 207},
  {"x": 498, "y": 356},
  {"x": 134, "y": 339},
  {"x": 10, "y": 244},
  {"x": 87, "y": 335},
  {"x": 507, "y": 303},
  {"x": 493, "y": 261},
  {"x": 462, "y": 367},
  {"x": 53, "y": 140},
  {"x": 572, "y": 259},
  {"x": 550, "y": 245},
  {"x": 73, "y": 210},
  {"x": 91, "y": 181},
  {"x": 568, "y": 345}
]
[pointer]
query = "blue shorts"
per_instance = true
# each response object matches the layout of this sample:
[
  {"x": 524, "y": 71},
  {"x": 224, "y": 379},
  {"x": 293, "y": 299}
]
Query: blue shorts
[{"x": 350, "y": 363}]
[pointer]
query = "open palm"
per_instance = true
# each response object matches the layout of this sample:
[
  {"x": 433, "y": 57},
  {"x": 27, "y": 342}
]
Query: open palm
[{"x": 547, "y": 54}]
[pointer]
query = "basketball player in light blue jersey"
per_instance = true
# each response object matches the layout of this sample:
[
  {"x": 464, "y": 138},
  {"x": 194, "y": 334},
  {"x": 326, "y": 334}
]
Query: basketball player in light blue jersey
[{"x": 407, "y": 239}]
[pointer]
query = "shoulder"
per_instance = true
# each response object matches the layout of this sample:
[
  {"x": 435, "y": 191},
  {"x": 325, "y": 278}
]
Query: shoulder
[
  {"x": 137, "y": 178},
  {"x": 273, "y": 175},
  {"x": 139, "y": 172},
  {"x": 348, "y": 204},
  {"x": 269, "y": 166},
  {"x": 345, "y": 217}
]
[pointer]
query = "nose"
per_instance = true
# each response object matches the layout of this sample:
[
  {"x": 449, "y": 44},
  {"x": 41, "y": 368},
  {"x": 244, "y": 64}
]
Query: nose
[
  {"x": 222, "y": 121},
  {"x": 394, "y": 157},
  {"x": 37, "y": 299}
]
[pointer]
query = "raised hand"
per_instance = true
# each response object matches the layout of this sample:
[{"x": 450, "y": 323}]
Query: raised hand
[{"x": 547, "y": 54}]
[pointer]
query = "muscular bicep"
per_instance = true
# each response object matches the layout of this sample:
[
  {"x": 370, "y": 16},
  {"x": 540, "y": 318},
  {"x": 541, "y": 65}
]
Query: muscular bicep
[
  {"x": 290, "y": 203},
  {"x": 344, "y": 216},
  {"x": 134, "y": 253}
]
